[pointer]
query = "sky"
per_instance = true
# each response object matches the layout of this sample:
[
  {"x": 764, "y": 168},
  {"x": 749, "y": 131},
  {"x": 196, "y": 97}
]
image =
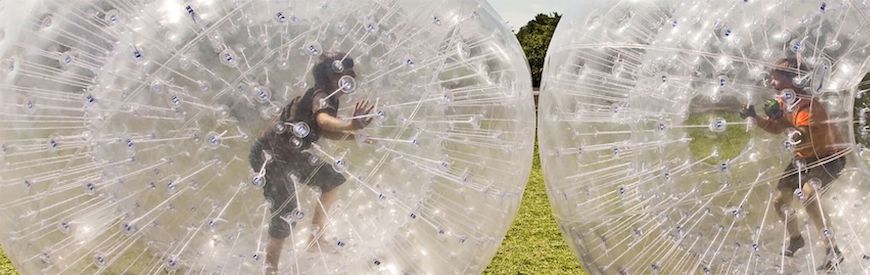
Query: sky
[{"x": 519, "y": 12}]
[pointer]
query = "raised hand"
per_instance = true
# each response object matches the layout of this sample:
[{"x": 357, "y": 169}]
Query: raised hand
[
  {"x": 362, "y": 108},
  {"x": 749, "y": 111}
]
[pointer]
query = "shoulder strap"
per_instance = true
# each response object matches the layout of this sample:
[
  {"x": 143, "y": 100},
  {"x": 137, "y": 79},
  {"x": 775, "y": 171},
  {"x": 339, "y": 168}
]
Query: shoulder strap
[
  {"x": 285, "y": 114},
  {"x": 303, "y": 112}
]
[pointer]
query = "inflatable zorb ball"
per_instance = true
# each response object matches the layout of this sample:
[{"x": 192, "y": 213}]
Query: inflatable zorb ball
[
  {"x": 128, "y": 127},
  {"x": 654, "y": 163}
]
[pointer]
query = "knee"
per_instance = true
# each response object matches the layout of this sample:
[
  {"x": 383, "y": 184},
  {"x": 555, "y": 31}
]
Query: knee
[
  {"x": 280, "y": 227},
  {"x": 780, "y": 201},
  {"x": 809, "y": 190}
]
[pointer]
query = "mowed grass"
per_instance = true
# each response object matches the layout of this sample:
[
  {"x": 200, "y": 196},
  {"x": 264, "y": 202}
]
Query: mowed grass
[
  {"x": 729, "y": 144},
  {"x": 533, "y": 245},
  {"x": 6, "y": 266}
]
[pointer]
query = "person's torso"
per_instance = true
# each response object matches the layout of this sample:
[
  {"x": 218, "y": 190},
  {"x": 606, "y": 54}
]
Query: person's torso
[
  {"x": 823, "y": 139},
  {"x": 282, "y": 145}
]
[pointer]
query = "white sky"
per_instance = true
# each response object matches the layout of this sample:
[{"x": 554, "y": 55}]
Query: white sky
[{"x": 519, "y": 12}]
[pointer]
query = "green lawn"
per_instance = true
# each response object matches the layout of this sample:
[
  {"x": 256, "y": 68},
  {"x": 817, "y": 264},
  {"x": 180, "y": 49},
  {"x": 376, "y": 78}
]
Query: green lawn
[
  {"x": 533, "y": 245},
  {"x": 6, "y": 266},
  {"x": 729, "y": 143}
]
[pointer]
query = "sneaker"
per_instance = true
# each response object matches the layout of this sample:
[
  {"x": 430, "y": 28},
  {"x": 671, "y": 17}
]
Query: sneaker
[
  {"x": 833, "y": 259},
  {"x": 793, "y": 245}
]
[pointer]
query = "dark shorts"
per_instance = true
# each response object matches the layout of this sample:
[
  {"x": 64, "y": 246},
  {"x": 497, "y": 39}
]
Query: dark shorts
[
  {"x": 826, "y": 173},
  {"x": 279, "y": 188}
]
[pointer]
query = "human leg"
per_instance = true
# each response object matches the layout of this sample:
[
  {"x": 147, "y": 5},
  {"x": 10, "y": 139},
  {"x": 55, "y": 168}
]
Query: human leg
[
  {"x": 781, "y": 202},
  {"x": 818, "y": 178},
  {"x": 821, "y": 220},
  {"x": 277, "y": 191},
  {"x": 815, "y": 211},
  {"x": 327, "y": 179},
  {"x": 273, "y": 254},
  {"x": 318, "y": 222}
]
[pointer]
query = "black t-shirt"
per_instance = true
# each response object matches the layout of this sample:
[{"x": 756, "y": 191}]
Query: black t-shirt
[{"x": 304, "y": 109}]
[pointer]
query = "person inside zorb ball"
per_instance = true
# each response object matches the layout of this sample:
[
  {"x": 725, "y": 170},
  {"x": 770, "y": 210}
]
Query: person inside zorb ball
[
  {"x": 277, "y": 156},
  {"x": 819, "y": 155},
  {"x": 259, "y": 136},
  {"x": 710, "y": 136}
]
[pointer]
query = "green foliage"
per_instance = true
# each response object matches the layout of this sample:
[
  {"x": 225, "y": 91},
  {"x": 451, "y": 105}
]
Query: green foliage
[
  {"x": 535, "y": 39},
  {"x": 534, "y": 244},
  {"x": 862, "y": 100}
]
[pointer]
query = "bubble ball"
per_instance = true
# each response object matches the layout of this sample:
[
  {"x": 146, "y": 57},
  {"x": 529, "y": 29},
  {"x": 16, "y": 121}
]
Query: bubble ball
[
  {"x": 698, "y": 137},
  {"x": 260, "y": 136}
]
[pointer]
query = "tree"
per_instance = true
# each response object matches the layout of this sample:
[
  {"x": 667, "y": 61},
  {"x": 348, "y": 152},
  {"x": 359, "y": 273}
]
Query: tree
[
  {"x": 862, "y": 101},
  {"x": 535, "y": 38}
]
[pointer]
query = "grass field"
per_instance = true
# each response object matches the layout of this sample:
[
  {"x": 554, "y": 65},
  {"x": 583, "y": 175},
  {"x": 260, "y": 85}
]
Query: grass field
[
  {"x": 729, "y": 144},
  {"x": 533, "y": 245},
  {"x": 6, "y": 266}
]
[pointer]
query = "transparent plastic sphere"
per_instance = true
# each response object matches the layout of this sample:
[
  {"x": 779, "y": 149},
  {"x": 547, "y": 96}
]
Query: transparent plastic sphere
[
  {"x": 186, "y": 136},
  {"x": 655, "y": 161}
]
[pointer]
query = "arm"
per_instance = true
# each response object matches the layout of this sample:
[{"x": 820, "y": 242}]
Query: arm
[
  {"x": 774, "y": 126},
  {"x": 329, "y": 123},
  {"x": 332, "y": 124},
  {"x": 770, "y": 125},
  {"x": 341, "y": 135}
]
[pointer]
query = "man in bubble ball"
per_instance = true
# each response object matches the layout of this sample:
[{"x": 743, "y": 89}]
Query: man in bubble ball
[
  {"x": 818, "y": 155},
  {"x": 280, "y": 162}
]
